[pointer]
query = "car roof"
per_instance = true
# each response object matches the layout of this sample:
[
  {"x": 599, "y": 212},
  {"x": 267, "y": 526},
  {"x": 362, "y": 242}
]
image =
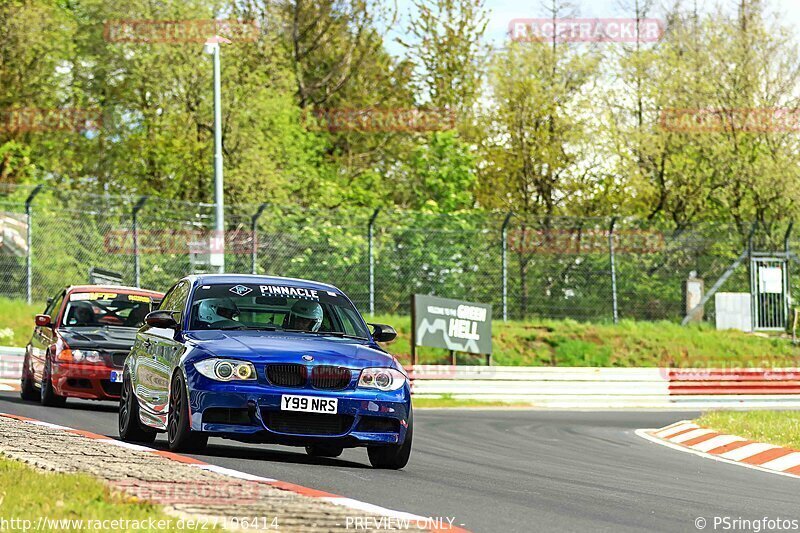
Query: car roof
[
  {"x": 261, "y": 280},
  {"x": 113, "y": 288}
]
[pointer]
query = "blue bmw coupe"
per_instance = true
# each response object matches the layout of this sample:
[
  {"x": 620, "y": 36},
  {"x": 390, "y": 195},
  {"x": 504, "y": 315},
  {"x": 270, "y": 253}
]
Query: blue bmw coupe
[{"x": 266, "y": 359}]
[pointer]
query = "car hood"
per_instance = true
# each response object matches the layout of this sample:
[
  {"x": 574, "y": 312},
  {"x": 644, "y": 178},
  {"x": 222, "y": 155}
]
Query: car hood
[
  {"x": 280, "y": 347},
  {"x": 104, "y": 338}
]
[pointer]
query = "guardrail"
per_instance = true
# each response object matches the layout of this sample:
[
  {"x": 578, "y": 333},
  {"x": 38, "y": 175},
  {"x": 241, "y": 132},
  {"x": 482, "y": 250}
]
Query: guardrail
[
  {"x": 735, "y": 382},
  {"x": 584, "y": 387},
  {"x": 11, "y": 362}
]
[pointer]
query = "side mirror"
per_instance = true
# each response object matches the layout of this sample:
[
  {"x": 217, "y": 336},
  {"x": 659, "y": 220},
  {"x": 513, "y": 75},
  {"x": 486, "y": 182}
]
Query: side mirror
[
  {"x": 383, "y": 333},
  {"x": 43, "y": 321},
  {"x": 161, "y": 319}
]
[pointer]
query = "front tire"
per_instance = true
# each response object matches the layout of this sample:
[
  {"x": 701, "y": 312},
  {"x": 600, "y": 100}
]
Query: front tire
[
  {"x": 48, "y": 396},
  {"x": 324, "y": 450},
  {"x": 131, "y": 428},
  {"x": 180, "y": 436},
  {"x": 393, "y": 456}
]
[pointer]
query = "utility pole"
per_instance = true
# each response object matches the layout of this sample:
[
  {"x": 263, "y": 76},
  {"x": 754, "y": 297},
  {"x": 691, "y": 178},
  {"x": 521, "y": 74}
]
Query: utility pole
[{"x": 218, "y": 241}]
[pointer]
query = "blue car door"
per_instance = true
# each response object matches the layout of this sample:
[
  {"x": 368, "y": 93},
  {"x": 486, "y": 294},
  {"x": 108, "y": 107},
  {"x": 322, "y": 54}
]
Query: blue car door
[{"x": 157, "y": 352}]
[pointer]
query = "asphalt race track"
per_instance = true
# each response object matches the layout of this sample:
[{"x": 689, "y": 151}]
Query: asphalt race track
[{"x": 519, "y": 470}]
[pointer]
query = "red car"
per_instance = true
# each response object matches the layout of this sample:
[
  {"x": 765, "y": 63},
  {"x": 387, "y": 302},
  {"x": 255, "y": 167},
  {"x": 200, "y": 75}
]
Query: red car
[{"x": 80, "y": 343}]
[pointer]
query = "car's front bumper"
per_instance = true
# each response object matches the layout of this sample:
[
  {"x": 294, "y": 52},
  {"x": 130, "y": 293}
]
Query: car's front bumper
[
  {"x": 252, "y": 411},
  {"x": 87, "y": 381}
]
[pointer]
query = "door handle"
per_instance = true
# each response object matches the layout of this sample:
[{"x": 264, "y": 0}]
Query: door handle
[{"x": 146, "y": 343}]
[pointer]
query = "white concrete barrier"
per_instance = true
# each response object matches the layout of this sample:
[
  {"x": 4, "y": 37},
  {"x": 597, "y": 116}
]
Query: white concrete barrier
[
  {"x": 576, "y": 387},
  {"x": 11, "y": 362},
  {"x": 547, "y": 387}
]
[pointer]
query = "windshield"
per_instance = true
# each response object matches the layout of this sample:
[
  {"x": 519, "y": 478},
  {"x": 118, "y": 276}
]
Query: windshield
[
  {"x": 94, "y": 309},
  {"x": 251, "y": 306}
]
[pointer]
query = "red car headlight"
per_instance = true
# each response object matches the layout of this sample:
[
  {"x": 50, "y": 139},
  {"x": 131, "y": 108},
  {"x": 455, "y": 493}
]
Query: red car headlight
[{"x": 79, "y": 356}]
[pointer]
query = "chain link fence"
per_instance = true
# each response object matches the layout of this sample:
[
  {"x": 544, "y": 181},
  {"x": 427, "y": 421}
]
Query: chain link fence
[{"x": 596, "y": 269}]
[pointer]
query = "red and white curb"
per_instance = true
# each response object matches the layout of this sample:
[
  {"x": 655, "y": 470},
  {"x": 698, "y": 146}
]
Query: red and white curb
[
  {"x": 432, "y": 524},
  {"x": 689, "y": 437}
]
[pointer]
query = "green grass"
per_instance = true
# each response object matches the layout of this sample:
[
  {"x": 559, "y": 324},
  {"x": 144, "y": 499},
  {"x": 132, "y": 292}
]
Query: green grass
[
  {"x": 775, "y": 427},
  {"x": 541, "y": 342},
  {"x": 447, "y": 400},
  {"x": 28, "y": 494},
  {"x": 16, "y": 321}
]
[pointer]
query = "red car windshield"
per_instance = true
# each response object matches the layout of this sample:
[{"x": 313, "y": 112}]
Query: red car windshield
[{"x": 95, "y": 309}]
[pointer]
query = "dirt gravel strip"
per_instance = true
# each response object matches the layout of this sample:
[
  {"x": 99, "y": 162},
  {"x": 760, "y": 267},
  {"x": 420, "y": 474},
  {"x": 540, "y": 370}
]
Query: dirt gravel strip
[
  {"x": 188, "y": 488},
  {"x": 687, "y": 436}
]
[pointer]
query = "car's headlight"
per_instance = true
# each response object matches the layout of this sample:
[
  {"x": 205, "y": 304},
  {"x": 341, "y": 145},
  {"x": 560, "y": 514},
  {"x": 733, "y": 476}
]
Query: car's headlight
[
  {"x": 86, "y": 356},
  {"x": 384, "y": 379},
  {"x": 226, "y": 369}
]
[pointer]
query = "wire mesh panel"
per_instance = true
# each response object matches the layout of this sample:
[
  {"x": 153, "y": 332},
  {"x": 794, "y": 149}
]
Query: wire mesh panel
[
  {"x": 556, "y": 267},
  {"x": 68, "y": 238},
  {"x": 560, "y": 267},
  {"x": 654, "y": 261},
  {"x": 455, "y": 256},
  {"x": 330, "y": 247},
  {"x": 13, "y": 249}
]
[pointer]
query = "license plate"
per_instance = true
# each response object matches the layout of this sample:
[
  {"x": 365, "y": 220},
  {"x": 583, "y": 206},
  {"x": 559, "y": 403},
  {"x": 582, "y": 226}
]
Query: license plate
[
  {"x": 116, "y": 377},
  {"x": 308, "y": 404}
]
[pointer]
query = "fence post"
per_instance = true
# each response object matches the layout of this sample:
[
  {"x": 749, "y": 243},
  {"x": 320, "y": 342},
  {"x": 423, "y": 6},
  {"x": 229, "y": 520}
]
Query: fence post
[
  {"x": 29, "y": 242},
  {"x": 613, "y": 270},
  {"x": 787, "y": 297},
  {"x": 504, "y": 234},
  {"x": 370, "y": 253},
  {"x": 135, "y": 228},
  {"x": 254, "y": 237}
]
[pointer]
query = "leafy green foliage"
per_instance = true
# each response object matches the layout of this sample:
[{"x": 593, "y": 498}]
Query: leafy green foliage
[{"x": 775, "y": 427}]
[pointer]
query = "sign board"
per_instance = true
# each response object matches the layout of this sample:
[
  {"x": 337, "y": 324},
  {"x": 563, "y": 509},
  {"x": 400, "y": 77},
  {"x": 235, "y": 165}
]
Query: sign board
[
  {"x": 98, "y": 276},
  {"x": 452, "y": 324},
  {"x": 770, "y": 280}
]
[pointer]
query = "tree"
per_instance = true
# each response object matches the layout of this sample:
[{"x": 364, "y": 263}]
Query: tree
[
  {"x": 537, "y": 152},
  {"x": 447, "y": 49}
]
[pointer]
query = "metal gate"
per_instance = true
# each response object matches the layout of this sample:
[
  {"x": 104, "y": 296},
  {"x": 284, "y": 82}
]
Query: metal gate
[{"x": 769, "y": 290}]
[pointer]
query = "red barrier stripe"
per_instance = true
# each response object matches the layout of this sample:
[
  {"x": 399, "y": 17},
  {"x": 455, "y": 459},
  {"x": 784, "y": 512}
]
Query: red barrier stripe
[
  {"x": 729, "y": 447},
  {"x": 87, "y": 434},
  {"x": 299, "y": 489},
  {"x": 735, "y": 382},
  {"x": 735, "y": 376},
  {"x": 689, "y": 391},
  {"x": 676, "y": 433},
  {"x": 768, "y": 455},
  {"x": 179, "y": 458},
  {"x": 701, "y": 438}
]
